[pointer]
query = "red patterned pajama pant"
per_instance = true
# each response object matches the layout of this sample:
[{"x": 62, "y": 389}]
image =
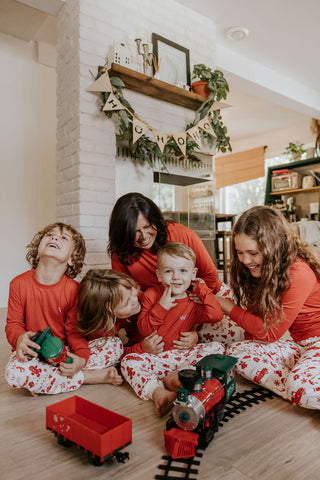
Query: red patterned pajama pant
[
  {"x": 41, "y": 377},
  {"x": 287, "y": 368},
  {"x": 145, "y": 371}
]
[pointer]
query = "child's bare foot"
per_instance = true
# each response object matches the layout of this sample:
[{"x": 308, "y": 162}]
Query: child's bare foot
[
  {"x": 172, "y": 382},
  {"x": 163, "y": 400},
  {"x": 34, "y": 394},
  {"x": 103, "y": 375}
]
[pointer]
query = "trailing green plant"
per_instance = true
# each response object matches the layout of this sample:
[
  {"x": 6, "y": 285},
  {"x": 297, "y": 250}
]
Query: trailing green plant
[{"x": 146, "y": 149}]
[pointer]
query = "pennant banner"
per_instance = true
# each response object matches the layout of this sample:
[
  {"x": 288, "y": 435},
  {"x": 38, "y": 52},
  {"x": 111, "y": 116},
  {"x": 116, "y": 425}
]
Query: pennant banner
[
  {"x": 218, "y": 106},
  {"x": 195, "y": 135},
  {"x": 113, "y": 103},
  {"x": 103, "y": 84},
  {"x": 205, "y": 124},
  {"x": 139, "y": 128},
  {"x": 161, "y": 139},
  {"x": 181, "y": 140}
]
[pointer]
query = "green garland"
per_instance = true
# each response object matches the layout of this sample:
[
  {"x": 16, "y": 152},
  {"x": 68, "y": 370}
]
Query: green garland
[{"x": 147, "y": 150}]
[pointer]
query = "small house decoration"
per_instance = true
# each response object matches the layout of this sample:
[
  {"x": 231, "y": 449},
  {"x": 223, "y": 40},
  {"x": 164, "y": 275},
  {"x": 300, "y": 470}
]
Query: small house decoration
[{"x": 121, "y": 54}]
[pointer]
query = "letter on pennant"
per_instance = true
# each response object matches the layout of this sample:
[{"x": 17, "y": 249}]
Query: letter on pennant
[
  {"x": 139, "y": 128},
  {"x": 160, "y": 138},
  {"x": 112, "y": 103},
  {"x": 195, "y": 135},
  {"x": 206, "y": 125},
  {"x": 181, "y": 141}
]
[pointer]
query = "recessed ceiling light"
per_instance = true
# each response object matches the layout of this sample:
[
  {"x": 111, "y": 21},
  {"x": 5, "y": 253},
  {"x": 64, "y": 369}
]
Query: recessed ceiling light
[{"x": 237, "y": 33}]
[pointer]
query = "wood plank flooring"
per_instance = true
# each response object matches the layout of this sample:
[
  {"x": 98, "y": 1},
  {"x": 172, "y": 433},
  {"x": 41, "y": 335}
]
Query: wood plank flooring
[{"x": 272, "y": 440}]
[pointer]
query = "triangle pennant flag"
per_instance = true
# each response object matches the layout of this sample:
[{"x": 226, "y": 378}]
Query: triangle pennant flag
[
  {"x": 205, "y": 124},
  {"x": 218, "y": 106},
  {"x": 195, "y": 135},
  {"x": 113, "y": 103},
  {"x": 181, "y": 140},
  {"x": 138, "y": 128},
  {"x": 103, "y": 84},
  {"x": 160, "y": 138}
]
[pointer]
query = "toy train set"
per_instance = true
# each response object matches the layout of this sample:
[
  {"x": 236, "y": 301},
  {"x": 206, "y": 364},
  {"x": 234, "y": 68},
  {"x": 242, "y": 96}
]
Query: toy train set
[
  {"x": 200, "y": 404},
  {"x": 207, "y": 398}
]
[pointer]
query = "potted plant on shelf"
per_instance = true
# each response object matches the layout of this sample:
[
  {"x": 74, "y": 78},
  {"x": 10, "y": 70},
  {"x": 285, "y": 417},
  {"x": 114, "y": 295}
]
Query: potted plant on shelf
[
  {"x": 209, "y": 81},
  {"x": 295, "y": 150}
]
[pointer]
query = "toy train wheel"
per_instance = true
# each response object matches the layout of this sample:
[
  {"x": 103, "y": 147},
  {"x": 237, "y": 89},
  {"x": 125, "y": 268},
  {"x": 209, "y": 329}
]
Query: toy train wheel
[
  {"x": 64, "y": 442},
  {"x": 121, "y": 457},
  {"x": 94, "y": 460}
]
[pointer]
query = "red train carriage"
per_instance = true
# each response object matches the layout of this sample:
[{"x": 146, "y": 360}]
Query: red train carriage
[
  {"x": 100, "y": 432},
  {"x": 199, "y": 406}
]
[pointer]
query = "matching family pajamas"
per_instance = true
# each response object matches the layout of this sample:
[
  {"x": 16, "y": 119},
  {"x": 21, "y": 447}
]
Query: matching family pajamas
[
  {"x": 33, "y": 306},
  {"x": 291, "y": 367},
  {"x": 144, "y": 372}
]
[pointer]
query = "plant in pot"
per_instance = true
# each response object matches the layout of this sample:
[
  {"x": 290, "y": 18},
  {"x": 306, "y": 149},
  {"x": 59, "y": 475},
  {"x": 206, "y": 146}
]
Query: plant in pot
[
  {"x": 295, "y": 150},
  {"x": 209, "y": 81}
]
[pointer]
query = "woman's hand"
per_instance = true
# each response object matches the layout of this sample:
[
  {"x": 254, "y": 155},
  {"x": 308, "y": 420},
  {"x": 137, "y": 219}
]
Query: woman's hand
[
  {"x": 226, "y": 304},
  {"x": 153, "y": 343},
  {"x": 187, "y": 340},
  {"x": 23, "y": 346},
  {"x": 70, "y": 369}
]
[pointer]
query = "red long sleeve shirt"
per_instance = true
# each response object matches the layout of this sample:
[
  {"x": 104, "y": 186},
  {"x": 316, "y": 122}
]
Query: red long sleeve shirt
[
  {"x": 33, "y": 306},
  {"x": 143, "y": 270},
  {"x": 170, "y": 323},
  {"x": 301, "y": 309}
]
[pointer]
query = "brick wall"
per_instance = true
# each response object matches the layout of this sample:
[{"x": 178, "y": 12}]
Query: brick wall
[{"x": 88, "y": 180}]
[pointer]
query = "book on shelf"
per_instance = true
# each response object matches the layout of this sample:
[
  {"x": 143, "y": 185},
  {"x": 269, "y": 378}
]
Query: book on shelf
[{"x": 280, "y": 171}]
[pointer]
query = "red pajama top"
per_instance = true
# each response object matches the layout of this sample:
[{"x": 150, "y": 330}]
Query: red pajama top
[
  {"x": 143, "y": 270},
  {"x": 301, "y": 309},
  {"x": 33, "y": 306},
  {"x": 170, "y": 323}
]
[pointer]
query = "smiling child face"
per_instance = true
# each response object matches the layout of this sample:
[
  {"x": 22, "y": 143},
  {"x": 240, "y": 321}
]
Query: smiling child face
[{"x": 58, "y": 245}]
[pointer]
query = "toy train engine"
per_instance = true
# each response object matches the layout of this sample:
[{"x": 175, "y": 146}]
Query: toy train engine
[{"x": 199, "y": 406}]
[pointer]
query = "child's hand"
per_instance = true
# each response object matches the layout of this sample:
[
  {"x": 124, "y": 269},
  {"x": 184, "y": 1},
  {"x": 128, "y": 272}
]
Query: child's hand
[
  {"x": 167, "y": 301},
  {"x": 23, "y": 347},
  {"x": 192, "y": 295},
  {"x": 70, "y": 369},
  {"x": 187, "y": 340},
  {"x": 153, "y": 344}
]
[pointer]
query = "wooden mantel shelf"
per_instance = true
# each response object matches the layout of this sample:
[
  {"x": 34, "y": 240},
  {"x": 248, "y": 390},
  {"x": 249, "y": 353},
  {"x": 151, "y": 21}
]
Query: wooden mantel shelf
[{"x": 156, "y": 88}]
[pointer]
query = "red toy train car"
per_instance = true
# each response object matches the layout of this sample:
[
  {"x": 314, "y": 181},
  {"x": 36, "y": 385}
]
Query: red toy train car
[
  {"x": 100, "y": 432},
  {"x": 199, "y": 406}
]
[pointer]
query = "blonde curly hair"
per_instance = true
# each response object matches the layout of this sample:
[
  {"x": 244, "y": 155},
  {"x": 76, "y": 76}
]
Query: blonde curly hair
[{"x": 78, "y": 253}]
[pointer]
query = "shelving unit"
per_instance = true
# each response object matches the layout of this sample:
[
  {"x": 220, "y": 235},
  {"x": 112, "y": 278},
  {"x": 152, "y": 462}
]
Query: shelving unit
[
  {"x": 152, "y": 87},
  {"x": 302, "y": 196}
]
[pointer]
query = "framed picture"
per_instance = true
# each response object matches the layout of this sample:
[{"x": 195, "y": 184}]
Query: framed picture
[{"x": 173, "y": 60}]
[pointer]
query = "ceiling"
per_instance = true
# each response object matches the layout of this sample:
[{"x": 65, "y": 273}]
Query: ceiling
[{"x": 282, "y": 46}]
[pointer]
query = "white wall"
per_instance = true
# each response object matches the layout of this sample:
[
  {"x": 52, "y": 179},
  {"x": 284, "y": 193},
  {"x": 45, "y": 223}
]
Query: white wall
[{"x": 27, "y": 139}]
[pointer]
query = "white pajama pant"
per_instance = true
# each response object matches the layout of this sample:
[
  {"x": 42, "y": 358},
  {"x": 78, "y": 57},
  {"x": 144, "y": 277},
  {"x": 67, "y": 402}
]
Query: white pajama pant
[
  {"x": 41, "y": 377},
  {"x": 287, "y": 368},
  {"x": 145, "y": 371}
]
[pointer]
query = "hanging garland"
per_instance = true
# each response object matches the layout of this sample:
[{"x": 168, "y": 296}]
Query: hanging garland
[{"x": 206, "y": 124}]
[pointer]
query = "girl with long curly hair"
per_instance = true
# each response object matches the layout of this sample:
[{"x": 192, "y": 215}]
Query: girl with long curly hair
[{"x": 275, "y": 278}]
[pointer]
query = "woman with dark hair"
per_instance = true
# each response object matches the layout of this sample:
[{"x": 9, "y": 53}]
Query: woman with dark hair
[
  {"x": 137, "y": 231},
  {"x": 276, "y": 282}
]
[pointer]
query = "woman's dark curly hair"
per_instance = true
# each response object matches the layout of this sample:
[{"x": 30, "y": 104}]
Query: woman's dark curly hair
[
  {"x": 123, "y": 225},
  {"x": 279, "y": 245},
  {"x": 78, "y": 253},
  {"x": 99, "y": 294}
]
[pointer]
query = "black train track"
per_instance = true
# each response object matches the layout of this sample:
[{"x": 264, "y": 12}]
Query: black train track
[{"x": 238, "y": 403}]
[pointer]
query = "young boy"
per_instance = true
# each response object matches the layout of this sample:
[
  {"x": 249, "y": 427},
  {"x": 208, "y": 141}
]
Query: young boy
[
  {"x": 47, "y": 296},
  {"x": 170, "y": 310}
]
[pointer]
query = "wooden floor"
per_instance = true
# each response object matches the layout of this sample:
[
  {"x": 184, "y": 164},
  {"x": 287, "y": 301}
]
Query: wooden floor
[{"x": 272, "y": 440}]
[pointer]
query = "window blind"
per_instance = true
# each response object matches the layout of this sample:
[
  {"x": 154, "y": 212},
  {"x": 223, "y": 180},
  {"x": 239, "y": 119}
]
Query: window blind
[{"x": 239, "y": 167}]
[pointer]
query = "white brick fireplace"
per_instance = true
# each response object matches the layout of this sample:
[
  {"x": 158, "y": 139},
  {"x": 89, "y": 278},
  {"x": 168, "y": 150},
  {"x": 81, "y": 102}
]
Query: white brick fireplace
[{"x": 89, "y": 176}]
